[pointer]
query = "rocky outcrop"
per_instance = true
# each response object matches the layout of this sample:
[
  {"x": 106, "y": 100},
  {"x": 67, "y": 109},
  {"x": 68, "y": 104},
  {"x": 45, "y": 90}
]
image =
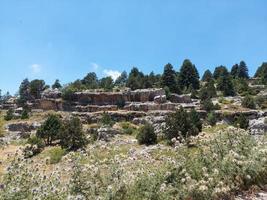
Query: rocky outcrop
[
  {"x": 160, "y": 99},
  {"x": 94, "y": 108},
  {"x": 48, "y": 104},
  {"x": 113, "y": 98},
  {"x": 137, "y": 106},
  {"x": 51, "y": 94},
  {"x": 21, "y": 126},
  {"x": 87, "y": 117},
  {"x": 175, "y": 98},
  {"x": 258, "y": 126},
  {"x": 105, "y": 133}
]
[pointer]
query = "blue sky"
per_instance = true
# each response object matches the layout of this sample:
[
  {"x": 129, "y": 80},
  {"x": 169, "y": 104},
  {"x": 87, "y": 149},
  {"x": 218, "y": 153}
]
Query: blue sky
[{"x": 66, "y": 39}]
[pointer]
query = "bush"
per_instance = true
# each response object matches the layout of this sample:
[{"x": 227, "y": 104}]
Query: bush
[
  {"x": 261, "y": 101},
  {"x": 106, "y": 120},
  {"x": 128, "y": 128},
  {"x": 25, "y": 114},
  {"x": 211, "y": 119},
  {"x": 35, "y": 146},
  {"x": 182, "y": 124},
  {"x": 248, "y": 102},
  {"x": 208, "y": 105},
  {"x": 121, "y": 103},
  {"x": 50, "y": 129},
  {"x": 72, "y": 136},
  {"x": 242, "y": 122},
  {"x": 9, "y": 115},
  {"x": 146, "y": 135},
  {"x": 55, "y": 154}
]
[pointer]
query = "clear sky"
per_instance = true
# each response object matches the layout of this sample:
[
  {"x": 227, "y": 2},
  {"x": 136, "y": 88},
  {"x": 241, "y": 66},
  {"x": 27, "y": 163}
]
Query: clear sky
[{"x": 66, "y": 39}]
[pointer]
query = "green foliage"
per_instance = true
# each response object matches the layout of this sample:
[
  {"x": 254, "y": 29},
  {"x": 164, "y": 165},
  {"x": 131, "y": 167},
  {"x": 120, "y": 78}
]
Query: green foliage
[
  {"x": 35, "y": 146},
  {"x": 90, "y": 81},
  {"x": 25, "y": 114},
  {"x": 248, "y": 102},
  {"x": 135, "y": 79},
  {"x": 182, "y": 124},
  {"x": 208, "y": 91},
  {"x": 261, "y": 73},
  {"x": 169, "y": 79},
  {"x": 55, "y": 154},
  {"x": 146, "y": 135},
  {"x": 50, "y": 129},
  {"x": 72, "y": 136},
  {"x": 68, "y": 92},
  {"x": 188, "y": 75},
  {"x": 106, "y": 120},
  {"x": 225, "y": 85},
  {"x": 220, "y": 71},
  {"x": 128, "y": 128},
  {"x": 122, "y": 79},
  {"x": 261, "y": 101},
  {"x": 37, "y": 87},
  {"x": 106, "y": 83},
  {"x": 208, "y": 105},
  {"x": 211, "y": 118},
  {"x": 24, "y": 92},
  {"x": 241, "y": 86},
  {"x": 241, "y": 121},
  {"x": 234, "y": 71},
  {"x": 9, "y": 115},
  {"x": 56, "y": 85},
  {"x": 121, "y": 103},
  {"x": 207, "y": 76},
  {"x": 242, "y": 71}
]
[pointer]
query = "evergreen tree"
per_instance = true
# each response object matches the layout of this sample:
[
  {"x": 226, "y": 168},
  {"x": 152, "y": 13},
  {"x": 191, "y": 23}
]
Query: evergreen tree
[
  {"x": 188, "y": 75},
  {"x": 220, "y": 71},
  {"x": 50, "y": 129},
  {"x": 260, "y": 69},
  {"x": 234, "y": 71},
  {"x": 135, "y": 80},
  {"x": 147, "y": 135},
  {"x": 106, "y": 83},
  {"x": 207, "y": 76},
  {"x": 71, "y": 135},
  {"x": 37, "y": 87},
  {"x": 90, "y": 81},
  {"x": 242, "y": 71},
  {"x": 208, "y": 91},
  {"x": 24, "y": 91},
  {"x": 225, "y": 85},
  {"x": 169, "y": 79},
  {"x": 57, "y": 85},
  {"x": 122, "y": 79}
]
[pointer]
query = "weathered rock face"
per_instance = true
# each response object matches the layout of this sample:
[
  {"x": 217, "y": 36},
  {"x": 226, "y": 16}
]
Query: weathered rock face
[
  {"x": 48, "y": 104},
  {"x": 160, "y": 99},
  {"x": 51, "y": 94},
  {"x": 94, "y": 108},
  {"x": 113, "y": 98},
  {"x": 136, "y": 106},
  {"x": 106, "y": 133},
  {"x": 258, "y": 126},
  {"x": 115, "y": 115},
  {"x": 21, "y": 127},
  {"x": 175, "y": 98}
]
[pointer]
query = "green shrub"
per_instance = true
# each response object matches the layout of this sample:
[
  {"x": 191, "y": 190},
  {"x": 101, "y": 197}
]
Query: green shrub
[
  {"x": 106, "y": 120},
  {"x": 50, "y": 129},
  {"x": 211, "y": 119},
  {"x": 146, "y": 135},
  {"x": 182, "y": 124},
  {"x": 248, "y": 102},
  {"x": 128, "y": 128},
  {"x": 9, "y": 115},
  {"x": 55, "y": 154},
  {"x": 241, "y": 121},
  {"x": 261, "y": 101},
  {"x": 25, "y": 114},
  {"x": 121, "y": 103},
  {"x": 35, "y": 146},
  {"x": 208, "y": 105},
  {"x": 72, "y": 136}
]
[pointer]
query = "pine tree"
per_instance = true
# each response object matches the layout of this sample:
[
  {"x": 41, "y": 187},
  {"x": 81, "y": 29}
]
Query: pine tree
[
  {"x": 188, "y": 75},
  {"x": 207, "y": 76},
  {"x": 169, "y": 79},
  {"x": 242, "y": 71},
  {"x": 220, "y": 71},
  {"x": 135, "y": 80},
  {"x": 106, "y": 83},
  {"x": 24, "y": 91},
  {"x": 122, "y": 79},
  {"x": 234, "y": 71},
  {"x": 225, "y": 85},
  {"x": 57, "y": 85},
  {"x": 90, "y": 81}
]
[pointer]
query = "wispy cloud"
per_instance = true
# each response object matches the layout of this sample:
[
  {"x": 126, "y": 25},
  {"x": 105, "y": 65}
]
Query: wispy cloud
[
  {"x": 35, "y": 68},
  {"x": 94, "y": 66},
  {"x": 113, "y": 73}
]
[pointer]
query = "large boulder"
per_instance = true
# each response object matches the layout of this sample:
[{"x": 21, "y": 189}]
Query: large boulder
[
  {"x": 51, "y": 94},
  {"x": 258, "y": 126},
  {"x": 175, "y": 98}
]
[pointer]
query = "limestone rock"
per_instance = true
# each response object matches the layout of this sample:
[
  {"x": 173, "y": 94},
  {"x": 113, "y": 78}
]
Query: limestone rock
[
  {"x": 106, "y": 133},
  {"x": 175, "y": 98},
  {"x": 160, "y": 99},
  {"x": 51, "y": 94},
  {"x": 258, "y": 126}
]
